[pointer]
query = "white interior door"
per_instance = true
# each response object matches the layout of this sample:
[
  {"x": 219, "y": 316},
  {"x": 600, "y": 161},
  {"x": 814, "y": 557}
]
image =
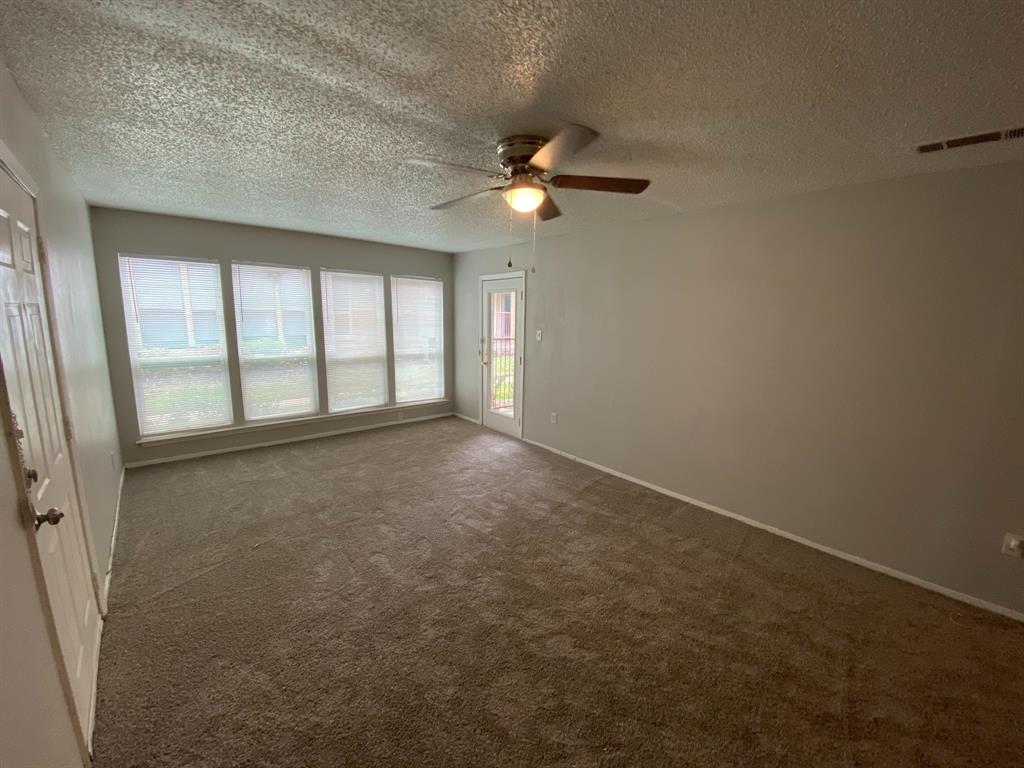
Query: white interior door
[
  {"x": 35, "y": 420},
  {"x": 501, "y": 352}
]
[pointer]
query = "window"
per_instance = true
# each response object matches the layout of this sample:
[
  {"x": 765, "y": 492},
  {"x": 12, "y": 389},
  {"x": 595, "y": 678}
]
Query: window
[
  {"x": 355, "y": 343},
  {"x": 276, "y": 349},
  {"x": 417, "y": 306},
  {"x": 175, "y": 322},
  {"x": 186, "y": 375}
]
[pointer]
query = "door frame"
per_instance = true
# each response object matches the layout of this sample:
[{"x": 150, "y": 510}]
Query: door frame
[
  {"x": 9, "y": 165},
  {"x": 98, "y": 571},
  {"x": 510, "y": 275}
]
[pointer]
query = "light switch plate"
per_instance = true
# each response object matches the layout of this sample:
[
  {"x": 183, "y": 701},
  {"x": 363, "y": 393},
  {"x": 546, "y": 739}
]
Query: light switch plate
[{"x": 539, "y": 334}]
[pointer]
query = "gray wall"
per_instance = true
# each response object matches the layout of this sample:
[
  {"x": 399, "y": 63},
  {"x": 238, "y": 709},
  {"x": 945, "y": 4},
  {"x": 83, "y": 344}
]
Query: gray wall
[
  {"x": 30, "y": 692},
  {"x": 847, "y": 366},
  {"x": 117, "y": 231}
]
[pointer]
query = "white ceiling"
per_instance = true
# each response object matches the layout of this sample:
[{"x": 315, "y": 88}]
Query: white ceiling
[{"x": 301, "y": 114}]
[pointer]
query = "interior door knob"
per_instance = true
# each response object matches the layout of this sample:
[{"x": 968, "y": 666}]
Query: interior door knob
[
  {"x": 52, "y": 516},
  {"x": 32, "y": 475}
]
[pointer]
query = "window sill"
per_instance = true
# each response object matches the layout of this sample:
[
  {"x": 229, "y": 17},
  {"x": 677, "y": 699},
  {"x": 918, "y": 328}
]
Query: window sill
[{"x": 258, "y": 426}]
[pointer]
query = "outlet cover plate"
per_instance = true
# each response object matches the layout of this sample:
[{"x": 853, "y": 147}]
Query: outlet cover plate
[{"x": 1013, "y": 545}]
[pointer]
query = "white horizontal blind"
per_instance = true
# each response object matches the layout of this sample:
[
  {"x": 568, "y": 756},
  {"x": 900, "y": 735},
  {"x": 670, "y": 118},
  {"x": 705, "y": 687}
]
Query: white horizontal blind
[
  {"x": 276, "y": 349},
  {"x": 355, "y": 343},
  {"x": 417, "y": 306},
  {"x": 175, "y": 321}
]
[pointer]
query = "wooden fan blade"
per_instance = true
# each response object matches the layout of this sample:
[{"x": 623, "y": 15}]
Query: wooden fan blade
[
  {"x": 602, "y": 184},
  {"x": 548, "y": 210},
  {"x": 566, "y": 143},
  {"x": 450, "y": 203}
]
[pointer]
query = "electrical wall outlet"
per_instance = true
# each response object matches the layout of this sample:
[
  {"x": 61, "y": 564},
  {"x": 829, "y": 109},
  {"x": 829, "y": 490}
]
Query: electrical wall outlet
[
  {"x": 554, "y": 417},
  {"x": 1013, "y": 545}
]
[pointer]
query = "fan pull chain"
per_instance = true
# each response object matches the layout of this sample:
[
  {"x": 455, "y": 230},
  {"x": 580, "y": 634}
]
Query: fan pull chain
[
  {"x": 509, "y": 237},
  {"x": 533, "y": 248}
]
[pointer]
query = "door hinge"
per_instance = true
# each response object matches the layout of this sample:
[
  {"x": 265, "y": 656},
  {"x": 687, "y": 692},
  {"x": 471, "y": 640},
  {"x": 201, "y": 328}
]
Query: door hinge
[
  {"x": 67, "y": 428},
  {"x": 41, "y": 247}
]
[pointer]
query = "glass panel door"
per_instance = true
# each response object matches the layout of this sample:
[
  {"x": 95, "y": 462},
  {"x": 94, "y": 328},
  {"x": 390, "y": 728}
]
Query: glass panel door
[{"x": 501, "y": 353}]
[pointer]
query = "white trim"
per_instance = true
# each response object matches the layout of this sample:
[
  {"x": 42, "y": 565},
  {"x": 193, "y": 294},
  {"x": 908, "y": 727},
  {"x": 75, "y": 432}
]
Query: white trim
[
  {"x": 298, "y": 439},
  {"x": 256, "y": 426},
  {"x": 946, "y": 591},
  {"x": 161, "y": 257},
  {"x": 415, "y": 277},
  {"x": 470, "y": 419},
  {"x": 103, "y": 616},
  {"x": 113, "y": 542},
  {"x": 340, "y": 271},
  {"x": 94, "y": 695},
  {"x": 22, "y": 176},
  {"x": 505, "y": 275},
  {"x": 520, "y": 394},
  {"x": 274, "y": 264}
]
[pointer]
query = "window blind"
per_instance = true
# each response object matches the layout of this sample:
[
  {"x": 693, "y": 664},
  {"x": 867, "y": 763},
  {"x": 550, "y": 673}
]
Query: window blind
[
  {"x": 175, "y": 322},
  {"x": 276, "y": 349},
  {"x": 417, "y": 306},
  {"x": 355, "y": 343}
]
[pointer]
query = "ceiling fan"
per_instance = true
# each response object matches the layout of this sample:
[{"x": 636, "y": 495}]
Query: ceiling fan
[{"x": 527, "y": 162}]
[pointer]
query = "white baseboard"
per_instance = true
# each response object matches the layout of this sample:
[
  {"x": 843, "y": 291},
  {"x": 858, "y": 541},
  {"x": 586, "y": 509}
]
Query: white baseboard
[
  {"x": 298, "y": 439},
  {"x": 106, "y": 611},
  {"x": 113, "y": 541},
  {"x": 470, "y": 419},
  {"x": 94, "y": 694},
  {"x": 952, "y": 593}
]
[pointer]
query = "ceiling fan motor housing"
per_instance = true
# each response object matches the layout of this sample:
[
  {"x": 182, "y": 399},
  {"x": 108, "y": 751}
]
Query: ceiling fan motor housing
[{"x": 515, "y": 152}]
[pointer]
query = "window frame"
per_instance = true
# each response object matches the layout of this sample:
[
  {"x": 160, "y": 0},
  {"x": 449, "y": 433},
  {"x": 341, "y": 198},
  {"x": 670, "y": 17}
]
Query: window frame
[
  {"x": 391, "y": 308},
  {"x": 225, "y": 338},
  {"x": 314, "y": 353},
  {"x": 239, "y": 423},
  {"x": 389, "y": 358}
]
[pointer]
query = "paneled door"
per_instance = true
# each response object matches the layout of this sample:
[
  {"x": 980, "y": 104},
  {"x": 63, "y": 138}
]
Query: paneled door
[
  {"x": 501, "y": 352},
  {"x": 34, "y": 422}
]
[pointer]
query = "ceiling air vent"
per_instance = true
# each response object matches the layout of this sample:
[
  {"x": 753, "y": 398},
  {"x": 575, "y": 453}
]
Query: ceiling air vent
[{"x": 977, "y": 138}]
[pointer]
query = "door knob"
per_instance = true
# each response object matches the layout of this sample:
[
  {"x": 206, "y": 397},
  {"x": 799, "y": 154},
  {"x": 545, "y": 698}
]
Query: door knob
[
  {"x": 32, "y": 475},
  {"x": 52, "y": 516}
]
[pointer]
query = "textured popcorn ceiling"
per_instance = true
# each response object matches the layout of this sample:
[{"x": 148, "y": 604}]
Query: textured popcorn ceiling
[{"x": 302, "y": 114}]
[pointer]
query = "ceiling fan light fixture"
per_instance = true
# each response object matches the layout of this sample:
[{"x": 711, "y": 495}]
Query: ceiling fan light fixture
[
  {"x": 529, "y": 165},
  {"x": 524, "y": 194}
]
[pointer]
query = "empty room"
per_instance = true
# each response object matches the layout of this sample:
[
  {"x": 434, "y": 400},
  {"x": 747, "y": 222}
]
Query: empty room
[{"x": 553, "y": 383}]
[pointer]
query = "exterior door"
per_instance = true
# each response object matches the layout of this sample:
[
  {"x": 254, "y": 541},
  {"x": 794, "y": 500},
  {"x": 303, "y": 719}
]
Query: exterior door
[
  {"x": 501, "y": 352},
  {"x": 33, "y": 419}
]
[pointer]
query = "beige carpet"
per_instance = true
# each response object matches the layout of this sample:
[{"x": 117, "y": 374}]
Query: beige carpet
[{"x": 440, "y": 595}]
